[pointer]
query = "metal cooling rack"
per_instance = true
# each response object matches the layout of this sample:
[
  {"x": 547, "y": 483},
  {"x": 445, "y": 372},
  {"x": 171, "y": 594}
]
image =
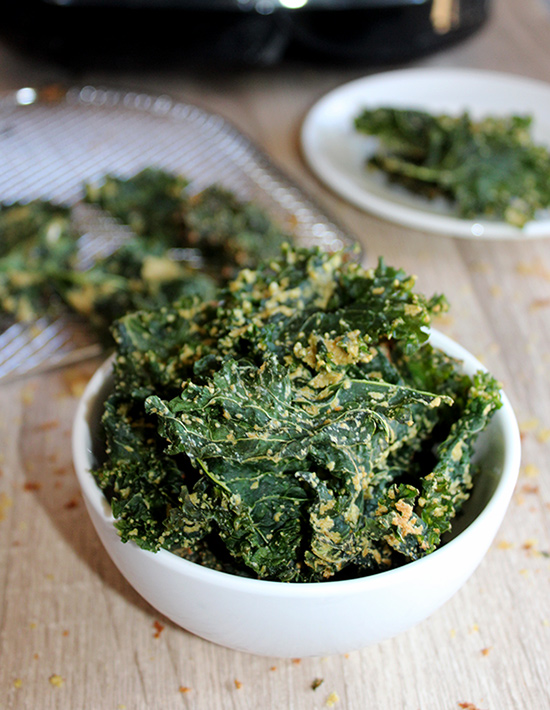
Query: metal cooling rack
[{"x": 52, "y": 141}]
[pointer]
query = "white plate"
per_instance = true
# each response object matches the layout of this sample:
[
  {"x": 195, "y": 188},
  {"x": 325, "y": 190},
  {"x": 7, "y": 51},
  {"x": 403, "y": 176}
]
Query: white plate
[{"x": 336, "y": 152}]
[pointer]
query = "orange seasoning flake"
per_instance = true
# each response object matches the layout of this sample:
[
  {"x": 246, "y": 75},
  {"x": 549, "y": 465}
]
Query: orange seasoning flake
[{"x": 159, "y": 628}]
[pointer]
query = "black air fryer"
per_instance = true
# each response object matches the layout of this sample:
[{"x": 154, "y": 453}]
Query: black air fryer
[{"x": 129, "y": 33}]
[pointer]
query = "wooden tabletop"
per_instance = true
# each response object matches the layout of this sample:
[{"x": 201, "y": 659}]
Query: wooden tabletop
[{"x": 74, "y": 635}]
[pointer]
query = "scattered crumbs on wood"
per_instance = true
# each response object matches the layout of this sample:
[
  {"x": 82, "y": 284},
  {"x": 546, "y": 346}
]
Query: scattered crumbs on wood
[
  {"x": 159, "y": 628},
  {"x": 332, "y": 700},
  {"x": 535, "y": 268},
  {"x": 530, "y": 488},
  {"x": 486, "y": 651},
  {"x": 468, "y": 706},
  {"x": 71, "y": 503},
  {"x": 296, "y": 661},
  {"x": 36, "y": 656},
  {"x": 184, "y": 689},
  {"x": 543, "y": 435},
  {"x": 238, "y": 684},
  {"x": 505, "y": 545},
  {"x": 273, "y": 668},
  {"x": 51, "y": 424},
  {"x": 32, "y": 486},
  {"x": 474, "y": 629},
  {"x": 529, "y": 544},
  {"x": 61, "y": 470},
  {"x": 316, "y": 682},
  {"x": 524, "y": 572},
  {"x": 56, "y": 680},
  {"x": 538, "y": 303},
  {"x": 65, "y": 632},
  {"x": 75, "y": 383},
  {"x": 496, "y": 291},
  {"x": 17, "y": 683},
  {"x": 453, "y": 633}
]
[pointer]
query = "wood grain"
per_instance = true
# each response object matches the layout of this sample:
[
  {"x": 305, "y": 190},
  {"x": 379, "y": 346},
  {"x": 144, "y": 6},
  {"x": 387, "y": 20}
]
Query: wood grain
[{"x": 74, "y": 635}]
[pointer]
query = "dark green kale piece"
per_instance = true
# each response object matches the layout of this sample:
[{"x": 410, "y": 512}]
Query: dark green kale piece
[
  {"x": 152, "y": 203},
  {"x": 38, "y": 245},
  {"x": 315, "y": 430},
  {"x": 231, "y": 232},
  {"x": 489, "y": 168}
]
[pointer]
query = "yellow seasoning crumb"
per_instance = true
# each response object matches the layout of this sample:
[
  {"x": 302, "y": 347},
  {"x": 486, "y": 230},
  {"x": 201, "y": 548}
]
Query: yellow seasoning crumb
[
  {"x": 452, "y": 633},
  {"x": 531, "y": 470},
  {"x": 56, "y": 680},
  {"x": 546, "y": 622},
  {"x": 184, "y": 689},
  {"x": 481, "y": 267},
  {"x": 17, "y": 683},
  {"x": 524, "y": 572},
  {"x": 474, "y": 629},
  {"x": 33, "y": 625},
  {"x": 27, "y": 395},
  {"x": 529, "y": 425},
  {"x": 332, "y": 700},
  {"x": 505, "y": 545},
  {"x": 543, "y": 436},
  {"x": 5, "y": 503},
  {"x": 238, "y": 684}
]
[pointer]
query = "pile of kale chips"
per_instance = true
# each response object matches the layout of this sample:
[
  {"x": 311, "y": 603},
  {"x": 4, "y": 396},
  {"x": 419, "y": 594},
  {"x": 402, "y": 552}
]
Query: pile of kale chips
[
  {"x": 43, "y": 272},
  {"x": 297, "y": 427}
]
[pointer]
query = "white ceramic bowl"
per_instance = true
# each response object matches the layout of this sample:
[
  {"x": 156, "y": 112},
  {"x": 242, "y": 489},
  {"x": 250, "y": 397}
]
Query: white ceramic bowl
[{"x": 313, "y": 619}]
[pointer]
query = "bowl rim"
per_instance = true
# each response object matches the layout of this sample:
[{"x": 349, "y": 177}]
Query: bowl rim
[{"x": 497, "y": 504}]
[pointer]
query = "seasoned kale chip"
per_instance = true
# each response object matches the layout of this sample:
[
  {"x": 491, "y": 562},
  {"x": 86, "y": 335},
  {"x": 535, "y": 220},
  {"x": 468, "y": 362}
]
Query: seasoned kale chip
[
  {"x": 489, "y": 168},
  {"x": 38, "y": 246},
  {"x": 297, "y": 427}
]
